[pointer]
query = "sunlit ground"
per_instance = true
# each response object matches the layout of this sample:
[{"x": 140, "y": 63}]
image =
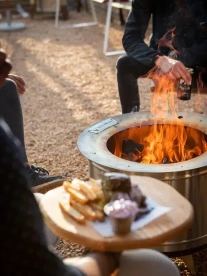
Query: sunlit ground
[{"x": 70, "y": 85}]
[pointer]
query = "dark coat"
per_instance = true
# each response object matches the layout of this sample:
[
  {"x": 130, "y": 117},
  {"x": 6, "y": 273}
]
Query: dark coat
[{"x": 190, "y": 38}]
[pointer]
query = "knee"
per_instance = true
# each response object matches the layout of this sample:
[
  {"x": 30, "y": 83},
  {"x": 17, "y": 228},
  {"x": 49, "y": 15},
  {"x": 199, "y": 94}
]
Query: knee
[
  {"x": 123, "y": 63},
  {"x": 10, "y": 85},
  {"x": 9, "y": 89},
  {"x": 145, "y": 262}
]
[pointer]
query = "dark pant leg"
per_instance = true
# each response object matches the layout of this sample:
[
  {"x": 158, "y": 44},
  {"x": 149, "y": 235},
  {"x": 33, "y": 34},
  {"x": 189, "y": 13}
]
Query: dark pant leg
[
  {"x": 11, "y": 111},
  {"x": 128, "y": 71}
]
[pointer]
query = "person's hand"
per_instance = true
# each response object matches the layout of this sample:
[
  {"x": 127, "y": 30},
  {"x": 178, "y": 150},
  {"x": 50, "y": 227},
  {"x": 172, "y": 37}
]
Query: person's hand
[
  {"x": 5, "y": 67},
  {"x": 175, "y": 68},
  {"x": 19, "y": 82}
]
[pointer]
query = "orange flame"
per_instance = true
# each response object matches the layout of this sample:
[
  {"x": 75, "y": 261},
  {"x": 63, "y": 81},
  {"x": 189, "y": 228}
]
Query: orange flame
[
  {"x": 166, "y": 143},
  {"x": 162, "y": 143}
]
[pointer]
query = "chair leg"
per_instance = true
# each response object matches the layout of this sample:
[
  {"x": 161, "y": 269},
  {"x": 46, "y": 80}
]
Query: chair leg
[
  {"x": 86, "y": 4},
  {"x": 121, "y": 17},
  {"x": 57, "y": 12},
  {"x": 64, "y": 12},
  {"x": 79, "y": 6},
  {"x": 32, "y": 10},
  {"x": 78, "y": 25},
  {"x": 93, "y": 11},
  {"x": 107, "y": 32},
  {"x": 107, "y": 27}
]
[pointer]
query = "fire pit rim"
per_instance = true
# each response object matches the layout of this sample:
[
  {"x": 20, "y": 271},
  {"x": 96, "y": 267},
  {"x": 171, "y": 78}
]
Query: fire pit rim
[{"x": 94, "y": 145}]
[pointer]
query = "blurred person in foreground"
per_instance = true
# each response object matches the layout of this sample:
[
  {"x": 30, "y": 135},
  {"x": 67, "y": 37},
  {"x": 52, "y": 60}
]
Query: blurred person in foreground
[
  {"x": 184, "y": 22},
  {"x": 11, "y": 86},
  {"x": 26, "y": 242}
]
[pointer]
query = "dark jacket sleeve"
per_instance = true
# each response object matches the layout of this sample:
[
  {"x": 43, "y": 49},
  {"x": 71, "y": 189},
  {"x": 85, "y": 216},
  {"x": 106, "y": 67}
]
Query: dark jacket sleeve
[
  {"x": 195, "y": 55},
  {"x": 24, "y": 250},
  {"x": 134, "y": 35}
]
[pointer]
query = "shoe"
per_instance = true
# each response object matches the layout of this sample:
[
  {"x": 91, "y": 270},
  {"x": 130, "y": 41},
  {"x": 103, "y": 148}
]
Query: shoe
[
  {"x": 134, "y": 109},
  {"x": 32, "y": 11},
  {"x": 40, "y": 176}
]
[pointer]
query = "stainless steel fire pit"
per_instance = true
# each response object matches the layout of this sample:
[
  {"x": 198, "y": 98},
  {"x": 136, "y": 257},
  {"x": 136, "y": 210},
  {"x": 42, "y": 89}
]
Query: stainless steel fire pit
[{"x": 189, "y": 177}]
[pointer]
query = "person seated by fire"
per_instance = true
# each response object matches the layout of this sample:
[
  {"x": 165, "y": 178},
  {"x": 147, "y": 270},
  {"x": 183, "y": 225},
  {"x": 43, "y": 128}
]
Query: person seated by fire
[
  {"x": 11, "y": 86},
  {"x": 178, "y": 47}
]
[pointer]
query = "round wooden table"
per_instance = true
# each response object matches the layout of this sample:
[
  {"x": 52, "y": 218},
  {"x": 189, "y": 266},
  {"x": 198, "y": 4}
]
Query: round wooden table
[{"x": 162, "y": 229}]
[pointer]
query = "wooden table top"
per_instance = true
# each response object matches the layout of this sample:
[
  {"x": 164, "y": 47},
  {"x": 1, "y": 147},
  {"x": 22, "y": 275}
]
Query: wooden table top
[{"x": 162, "y": 229}]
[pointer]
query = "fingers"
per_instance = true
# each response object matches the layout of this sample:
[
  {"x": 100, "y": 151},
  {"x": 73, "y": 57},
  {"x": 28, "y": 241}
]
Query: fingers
[
  {"x": 19, "y": 82},
  {"x": 179, "y": 71},
  {"x": 20, "y": 87},
  {"x": 19, "y": 79},
  {"x": 175, "y": 69},
  {"x": 171, "y": 76}
]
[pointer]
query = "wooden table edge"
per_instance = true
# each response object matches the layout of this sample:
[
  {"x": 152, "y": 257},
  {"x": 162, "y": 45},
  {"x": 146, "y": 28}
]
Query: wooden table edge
[{"x": 110, "y": 246}]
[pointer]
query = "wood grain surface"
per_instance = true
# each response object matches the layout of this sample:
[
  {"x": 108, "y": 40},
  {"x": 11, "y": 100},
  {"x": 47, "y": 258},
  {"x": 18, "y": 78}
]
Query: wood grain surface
[{"x": 164, "y": 228}]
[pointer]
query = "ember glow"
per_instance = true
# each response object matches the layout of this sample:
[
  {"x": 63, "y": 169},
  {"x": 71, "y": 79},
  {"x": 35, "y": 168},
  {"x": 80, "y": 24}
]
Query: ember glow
[{"x": 159, "y": 144}]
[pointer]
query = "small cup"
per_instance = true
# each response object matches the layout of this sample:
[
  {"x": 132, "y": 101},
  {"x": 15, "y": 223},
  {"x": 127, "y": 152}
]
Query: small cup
[
  {"x": 121, "y": 226},
  {"x": 121, "y": 221}
]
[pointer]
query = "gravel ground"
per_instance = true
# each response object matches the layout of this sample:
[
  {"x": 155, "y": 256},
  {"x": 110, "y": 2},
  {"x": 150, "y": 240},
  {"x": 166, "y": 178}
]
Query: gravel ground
[{"x": 70, "y": 85}]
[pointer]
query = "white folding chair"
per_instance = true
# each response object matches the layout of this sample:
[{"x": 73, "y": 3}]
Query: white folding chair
[
  {"x": 86, "y": 24},
  {"x": 118, "y": 5}
]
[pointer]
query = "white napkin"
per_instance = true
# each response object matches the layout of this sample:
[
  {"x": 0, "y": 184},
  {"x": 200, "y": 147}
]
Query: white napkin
[{"x": 105, "y": 228}]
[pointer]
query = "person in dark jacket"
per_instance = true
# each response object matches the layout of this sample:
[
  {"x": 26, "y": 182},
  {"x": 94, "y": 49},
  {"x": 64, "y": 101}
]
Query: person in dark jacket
[
  {"x": 184, "y": 22},
  {"x": 11, "y": 87}
]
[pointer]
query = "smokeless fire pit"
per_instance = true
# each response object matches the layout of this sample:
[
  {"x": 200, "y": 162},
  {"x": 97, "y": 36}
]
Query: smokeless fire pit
[{"x": 173, "y": 151}]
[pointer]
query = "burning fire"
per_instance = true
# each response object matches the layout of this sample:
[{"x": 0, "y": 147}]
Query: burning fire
[{"x": 161, "y": 143}]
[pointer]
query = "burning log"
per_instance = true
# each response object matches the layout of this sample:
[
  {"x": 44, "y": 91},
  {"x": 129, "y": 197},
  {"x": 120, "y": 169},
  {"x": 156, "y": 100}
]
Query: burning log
[
  {"x": 165, "y": 160},
  {"x": 129, "y": 146}
]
